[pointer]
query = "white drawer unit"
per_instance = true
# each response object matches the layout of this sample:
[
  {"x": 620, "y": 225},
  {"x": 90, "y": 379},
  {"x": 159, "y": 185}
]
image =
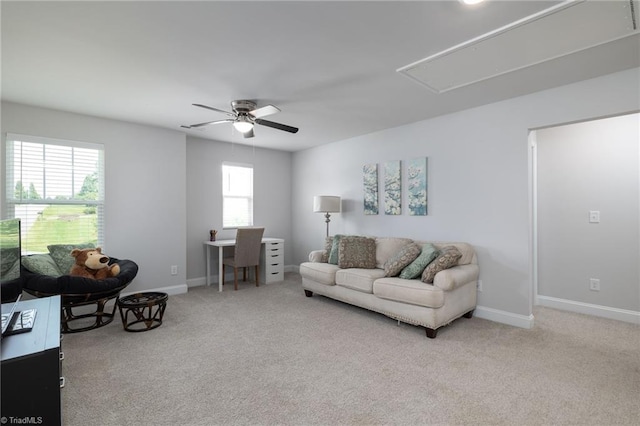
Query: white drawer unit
[{"x": 272, "y": 262}]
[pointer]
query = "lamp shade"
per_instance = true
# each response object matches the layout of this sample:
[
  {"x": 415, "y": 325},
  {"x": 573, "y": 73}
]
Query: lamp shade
[{"x": 326, "y": 204}]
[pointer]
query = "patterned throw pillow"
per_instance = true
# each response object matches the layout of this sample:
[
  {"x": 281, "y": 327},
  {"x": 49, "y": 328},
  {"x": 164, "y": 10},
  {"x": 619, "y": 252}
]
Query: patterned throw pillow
[
  {"x": 415, "y": 268},
  {"x": 42, "y": 264},
  {"x": 404, "y": 257},
  {"x": 328, "y": 244},
  {"x": 61, "y": 254},
  {"x": 357, "y": 252},
  {"x": 449, "y": 258},
  {"x": 335, "y": 249}
]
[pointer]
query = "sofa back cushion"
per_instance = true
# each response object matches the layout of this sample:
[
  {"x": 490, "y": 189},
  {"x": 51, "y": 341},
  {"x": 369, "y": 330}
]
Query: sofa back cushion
[
  {"x": 387, "y": 247},
  {"x": 42, "y": 264},
  {"x": 61, "y": 254}
]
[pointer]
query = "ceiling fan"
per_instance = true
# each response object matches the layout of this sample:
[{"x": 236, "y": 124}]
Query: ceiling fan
[{"x": 244, "y": 116}]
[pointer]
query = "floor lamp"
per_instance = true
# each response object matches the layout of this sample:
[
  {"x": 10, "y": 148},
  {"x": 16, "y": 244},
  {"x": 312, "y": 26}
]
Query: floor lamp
[{"x": 326, "y": 204}]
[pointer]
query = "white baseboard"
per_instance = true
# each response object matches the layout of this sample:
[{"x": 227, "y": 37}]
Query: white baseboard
[
  {"x": 504, "y": 317},
  {"x": 589, "y": 309},
  {"x": 199, "y": 282},
  {"x": 170, "y": 290}
]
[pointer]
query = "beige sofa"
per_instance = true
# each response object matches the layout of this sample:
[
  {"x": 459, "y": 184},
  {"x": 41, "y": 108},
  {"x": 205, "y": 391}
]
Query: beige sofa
[{"x": 452, "y": 294}]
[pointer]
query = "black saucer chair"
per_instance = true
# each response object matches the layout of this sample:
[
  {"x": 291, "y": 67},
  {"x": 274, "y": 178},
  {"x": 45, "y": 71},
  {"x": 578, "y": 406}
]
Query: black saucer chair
[{"x": 79, "y": 293}]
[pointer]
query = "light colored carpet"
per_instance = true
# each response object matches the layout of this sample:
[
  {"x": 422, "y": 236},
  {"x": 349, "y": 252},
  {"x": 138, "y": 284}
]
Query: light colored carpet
[{"x": 270, "y": 355}]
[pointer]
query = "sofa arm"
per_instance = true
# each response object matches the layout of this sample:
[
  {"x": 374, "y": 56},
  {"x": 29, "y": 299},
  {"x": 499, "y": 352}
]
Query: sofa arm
[
  {"x": 316, "y": 256},
  {"x": 457, "y": 276}
]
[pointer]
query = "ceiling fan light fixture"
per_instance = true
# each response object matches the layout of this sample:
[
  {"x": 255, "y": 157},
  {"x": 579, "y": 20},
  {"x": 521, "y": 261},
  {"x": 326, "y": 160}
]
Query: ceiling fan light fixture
[{"x": 243, "y": 124}]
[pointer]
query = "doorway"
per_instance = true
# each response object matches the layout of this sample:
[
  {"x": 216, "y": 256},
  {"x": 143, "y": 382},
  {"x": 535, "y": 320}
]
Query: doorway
[{"x": 586, "y": 214}]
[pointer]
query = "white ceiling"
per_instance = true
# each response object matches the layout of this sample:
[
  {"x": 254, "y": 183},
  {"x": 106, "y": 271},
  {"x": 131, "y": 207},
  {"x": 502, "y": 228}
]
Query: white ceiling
[{"x": 329, "y": 66}]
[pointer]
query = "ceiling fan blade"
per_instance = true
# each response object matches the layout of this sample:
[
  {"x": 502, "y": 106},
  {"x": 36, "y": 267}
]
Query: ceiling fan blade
[
  {"x": 248, "y": 134},
  {"x": 277, "y": 125},
  {"x": 230, "y": 114},
  {"x": 208, "y": 123},
  {"x": 264, "y": 111}
]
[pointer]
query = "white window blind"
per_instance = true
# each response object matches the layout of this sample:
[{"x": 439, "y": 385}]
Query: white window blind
[
  {"x": 237, "y": 195},
  {"x": 56, "y": 188}
]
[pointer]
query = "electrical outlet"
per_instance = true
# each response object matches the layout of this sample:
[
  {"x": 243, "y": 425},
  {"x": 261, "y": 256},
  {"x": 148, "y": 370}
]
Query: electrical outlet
[
  {"x": 594, "y": 216},
  {"x": 594, "y": 284},
  {"x": 174, "y": 269},
  {"x": 479, "y": 285}
]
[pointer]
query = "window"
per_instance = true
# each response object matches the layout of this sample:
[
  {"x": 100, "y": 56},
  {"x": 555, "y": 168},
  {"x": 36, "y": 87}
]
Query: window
[
  {"x": 237, "y": 195},
  {"x": 56, "y": 188}
]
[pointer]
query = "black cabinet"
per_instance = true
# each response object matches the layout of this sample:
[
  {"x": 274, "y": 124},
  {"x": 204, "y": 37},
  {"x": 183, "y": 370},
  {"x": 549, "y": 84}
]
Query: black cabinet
[{"x": 31, "y": 368}]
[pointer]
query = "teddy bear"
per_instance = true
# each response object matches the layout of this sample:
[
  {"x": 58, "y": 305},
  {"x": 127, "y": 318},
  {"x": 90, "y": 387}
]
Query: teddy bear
[{"x": 91, "y": 263}]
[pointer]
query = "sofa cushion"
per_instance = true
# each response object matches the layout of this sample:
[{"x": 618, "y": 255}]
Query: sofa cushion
[
  {"x": 323, "y": 273},
  {"x": 42, "y": 264},
  {"x": 358, "y": 279},
  {"x": 400, "y": 260},
  {"x": 357, "y": 252},
  {"x": 61, "y": 254},
  {"x": 387, "y": 247},
  {"x": 448, "y": 258},
  {"x": 415, "y": 268},
  {"x": 414, "y": 292}
]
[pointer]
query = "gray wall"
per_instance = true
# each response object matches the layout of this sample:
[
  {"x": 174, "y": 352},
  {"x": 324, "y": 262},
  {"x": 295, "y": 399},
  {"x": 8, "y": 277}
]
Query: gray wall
[
  {"x": 479, "y": 182},
  {"x": 271, "y": 191},
  {"x": 582, "y": 167},
  {"x": 145, "y": 216},
  {"x": 479, "y": 185}
]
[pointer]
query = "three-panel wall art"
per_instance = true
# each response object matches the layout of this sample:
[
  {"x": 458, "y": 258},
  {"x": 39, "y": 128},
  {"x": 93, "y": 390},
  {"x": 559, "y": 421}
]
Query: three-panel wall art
[{"x": 415, "y": 191}]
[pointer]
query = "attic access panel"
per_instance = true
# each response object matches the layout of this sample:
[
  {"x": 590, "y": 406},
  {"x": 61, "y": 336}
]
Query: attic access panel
[{"x": 561, "y": 30}]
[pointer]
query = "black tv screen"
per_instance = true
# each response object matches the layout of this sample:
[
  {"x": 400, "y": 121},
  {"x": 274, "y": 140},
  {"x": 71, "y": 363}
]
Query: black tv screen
[{"x": 10, "y": 251}]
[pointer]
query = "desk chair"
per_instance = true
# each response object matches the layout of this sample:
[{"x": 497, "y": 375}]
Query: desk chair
[{"x": 247, "y": 253}]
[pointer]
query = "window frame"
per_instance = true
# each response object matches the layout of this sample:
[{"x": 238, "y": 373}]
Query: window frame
[
  {"x": 12, "y": 176},
  {"x": 249, "y": 197}
]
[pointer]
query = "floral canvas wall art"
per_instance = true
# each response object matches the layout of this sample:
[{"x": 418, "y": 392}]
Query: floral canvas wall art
[
  {"x": 392, "y": 188},
  {"x": 370, "y": 177},
  {"x": 417, "y": 186}
]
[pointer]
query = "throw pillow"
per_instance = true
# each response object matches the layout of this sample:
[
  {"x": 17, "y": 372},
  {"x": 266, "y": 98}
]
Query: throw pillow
[
  {"x": 357, "y": 252},
  {"x": 328, "y": 244},
  {"x": 42, "y": 264},
  {"x": 387, "y": 247},
  {"x": 61, "y": 254},
  {"x": 335, "y": 249},
  {"x": 404, "y": 257},
  {"x": 415, "y": 268},
  {"x": 449, "y": 257}
]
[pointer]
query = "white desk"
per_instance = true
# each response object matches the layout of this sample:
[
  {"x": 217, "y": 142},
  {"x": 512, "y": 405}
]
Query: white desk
[{"x": 273, "y": 249}]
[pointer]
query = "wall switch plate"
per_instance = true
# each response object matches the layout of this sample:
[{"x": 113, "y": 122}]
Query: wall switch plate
[
  {"x": 594, "y": 216},
  {"x": 174, "y": 269},
  {"x": 594, "y": 284}
]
